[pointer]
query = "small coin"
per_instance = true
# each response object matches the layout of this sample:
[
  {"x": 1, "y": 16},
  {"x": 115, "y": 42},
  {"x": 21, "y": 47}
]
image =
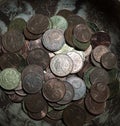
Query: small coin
[
  {"x": 74, "y": 115},
  {"x": 39, "y": 57},
  {"x": 38, "y": 24},
  {"x": 21, "y": 92},
  {"x": 77, "y": 61},
  {"x": 54, "y": 90},
  {"x": 78, "y": 85},
  {"x": 99, "y": 75},
  {"x": 94, "y": 107},
  {"x": 99, "y": 51},
  {"x": 82, "y": 33},
  {"x": 61, "y": 65},
  {"x": 53, "y": 39},
  {"x": 93, "y": 26},
  {"x": 13, "y": 40},
  {"x": 88, "y": 51},
  {"x": 108, "y": 60}
]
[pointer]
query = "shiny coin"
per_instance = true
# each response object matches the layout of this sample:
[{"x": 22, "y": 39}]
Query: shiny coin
[
  {"x": 59, "y": 22},
  {"x": 88, "y": 51},
  {"x": 38, "y": 24},
  {"x": 108, "y": 60},
  {"x": 54, "y": 90},
  {"x": 53, "y": 39},
  {"x": 99, "y": 92},
  {"x": 39, "y": 57},
  {"x": 77, "y": 61},
  {"x": 99, "y": 51},
  {"x": 61, "y": 65},
  {"x": 13, "y": 40},
  {"x": 78, "y": 85}
]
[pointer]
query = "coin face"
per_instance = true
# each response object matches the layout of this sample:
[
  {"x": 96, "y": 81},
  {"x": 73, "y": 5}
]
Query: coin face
[
  {"x": 54, "y": 90},
  {"x": 61, "y": 65},
  {"x": 38, "y": 24},
  {"x": 53, "y": 39},
  {"x": 13, "y": 40}
]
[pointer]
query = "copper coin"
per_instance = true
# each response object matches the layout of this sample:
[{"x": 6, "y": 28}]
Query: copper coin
[
  {"x": 39, "y": 57},
  {"x": 108, "y": 60},
  {"x": 74, "y": 115},
  {"x": 82, "y": 33},
  {"x": 34, "y": 102},
  {"x": 13, "y": 40},
  {"x": 54, "y": 90},
  {"x": 99, "y": 51},
  {"x": 100, "y": 38},
  {"x": 94, "y": 107},
  {"x": 32, "y": 82},
  {"x": 38, "y": 24},
  {"x": 68, "y": 97},
  {"x": 99, "y": 75}
]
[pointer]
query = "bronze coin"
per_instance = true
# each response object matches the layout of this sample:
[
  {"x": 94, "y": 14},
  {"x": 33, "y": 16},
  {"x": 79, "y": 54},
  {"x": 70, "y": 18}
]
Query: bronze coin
[
  {"x": 82, "y": 33},
  {"x": 32, "y": 82},
  {"x": 99, "y": 75},
  {"x": 34, "y": 102},
  {"x": 100, "y": 38},
  {"x": 54, "y": 90},
  {"x": 100, "y": 92},
  {"x": 13, "y": 40},
  {"x": 94, "y": 107},
  {"x": 108, "y": 60},
  {"x": 38, "y": 24},
  {"x": 39, "y": 57},
  {"x": 74, "y": 115}
]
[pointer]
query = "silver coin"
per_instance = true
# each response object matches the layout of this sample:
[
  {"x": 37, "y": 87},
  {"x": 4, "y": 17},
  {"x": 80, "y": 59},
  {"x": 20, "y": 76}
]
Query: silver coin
[
  {"x": 61, "y": 65},
  {"x": 88, "y": 51},
  {"x": 77, "y": 61},
  {"x": 53, "y": 39},
  {"x": 78, "y": 85}
]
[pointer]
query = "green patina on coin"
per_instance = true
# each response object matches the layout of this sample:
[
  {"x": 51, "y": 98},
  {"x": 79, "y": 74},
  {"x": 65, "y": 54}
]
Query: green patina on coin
[
  {"x": 58, "y": 22},
  {"x": 10, "y": 78}
]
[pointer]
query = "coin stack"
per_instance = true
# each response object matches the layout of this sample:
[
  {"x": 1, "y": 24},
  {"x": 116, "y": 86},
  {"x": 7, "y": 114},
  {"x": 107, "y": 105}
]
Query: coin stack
[{"x": 60, "y": 68}]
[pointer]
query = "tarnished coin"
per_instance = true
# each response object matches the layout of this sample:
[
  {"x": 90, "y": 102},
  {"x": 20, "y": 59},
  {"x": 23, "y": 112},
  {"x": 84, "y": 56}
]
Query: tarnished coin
[
  {"x": 21, "y": 92},
  {"x": 78, "y": 85},
  {"x": 53, "y": 39},
  {"x": 88, "y": 51},
  {"x": 82, "y": 33},
  {"x": 54, "y": 90},
  {"x": 94, "y": 107},
  {"x": 68, "y": 97},
  {"x": 99, "y": 75},
  {"x": 98, "y": 51},
  {"x": 13, "y": 40},
  {"x": 74, "y": 115},
  {"x": 61, "y": 65},
  {"x": 100, "y": 92},
  {"x": 59, "y": 22},
  {"x": 108, "y": 60},
  {"x": 39, "y": 57},
  {"x": 77, "y": 61},
  {"x": 93, "y": 26},
  {"x": 38, "y": 24}
]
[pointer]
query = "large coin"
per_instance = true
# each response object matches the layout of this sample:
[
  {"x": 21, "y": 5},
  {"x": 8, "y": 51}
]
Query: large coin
[{"x": 61, "y": 65}]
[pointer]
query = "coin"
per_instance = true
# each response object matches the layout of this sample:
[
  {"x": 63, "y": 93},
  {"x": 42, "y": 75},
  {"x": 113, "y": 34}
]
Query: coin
[
  {"x": 93, "y": 26},
  {"x": 74, "y": 115},
  {"x": 39, "y": 57},
  {"x": 100, "y": 92},
  {"x": 38, "y": 24},
  {"x": 94, "y": 107},
  {"x": 99, "y": 51},
  {"x": 78, "y": 85},
  {"x": 108, "y": 60},
  {"x": 13, "y": 40},
  {"x": 82, "y": 33},
  {"x": 54, "y": 90},
  {"x": 77, "y": 61},
  {"x": 99, "y": 75},
  {"x": 53, "y": 39},
  {"x": 88, "y": 51},
  {"x": 61, "y": 65},
  {"x": 21, "y": 92}
]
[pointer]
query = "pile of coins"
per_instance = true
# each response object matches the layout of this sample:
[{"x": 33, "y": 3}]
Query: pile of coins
[{"x": 59, "y": 68}]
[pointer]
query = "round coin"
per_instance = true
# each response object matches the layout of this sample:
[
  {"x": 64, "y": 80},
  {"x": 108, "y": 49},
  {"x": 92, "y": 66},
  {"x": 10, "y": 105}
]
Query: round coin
[
  {"x": 61, "y": 65},
  {"x": 88, "y": 51}
]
